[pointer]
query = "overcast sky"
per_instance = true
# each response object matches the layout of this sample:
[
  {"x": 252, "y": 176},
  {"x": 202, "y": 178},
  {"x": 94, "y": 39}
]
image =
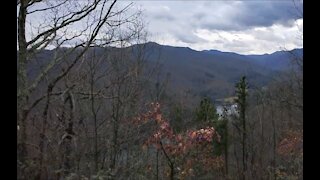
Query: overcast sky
[{"x": 246, "y": 27}]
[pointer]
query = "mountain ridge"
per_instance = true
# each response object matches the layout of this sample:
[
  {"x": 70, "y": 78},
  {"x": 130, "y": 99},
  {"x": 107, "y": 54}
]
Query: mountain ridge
[
  {"x": 216, "y": 50},
  {"x": 202, "y": 73}
]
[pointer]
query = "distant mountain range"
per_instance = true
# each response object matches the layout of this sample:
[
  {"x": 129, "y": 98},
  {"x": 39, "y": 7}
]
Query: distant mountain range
[
  {"x": 279, "y": 60},
  {"x": 214, "y": 73},
  {"x": 203, "y": 73}
]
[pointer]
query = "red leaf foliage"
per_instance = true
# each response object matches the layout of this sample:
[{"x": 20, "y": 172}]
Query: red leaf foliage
[
  {"x": 291, "y": 144},
  {"x": 196, "y": 144}
]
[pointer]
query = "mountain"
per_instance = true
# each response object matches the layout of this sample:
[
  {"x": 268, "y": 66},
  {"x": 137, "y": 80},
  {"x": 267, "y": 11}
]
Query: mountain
[
  {"x": 214, "y": 73},
  {"x": 279, "y": 60},
  {"x": 200, "y": 73}
]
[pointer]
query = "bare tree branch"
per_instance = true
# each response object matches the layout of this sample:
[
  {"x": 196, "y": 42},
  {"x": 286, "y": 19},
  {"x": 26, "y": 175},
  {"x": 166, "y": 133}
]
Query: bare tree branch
[
  {"x": 48, "y": 8},
  {"x": 82, "y": 14}
]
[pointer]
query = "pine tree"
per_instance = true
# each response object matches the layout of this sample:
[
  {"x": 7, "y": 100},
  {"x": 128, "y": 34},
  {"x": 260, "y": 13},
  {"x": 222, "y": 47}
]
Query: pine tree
[
  {"x": 241, "y": 100},
  {"x": 206, "y": 112}
]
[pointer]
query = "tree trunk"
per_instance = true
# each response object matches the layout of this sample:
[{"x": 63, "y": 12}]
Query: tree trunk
[
  {"x": 22, "y": 83},
  {"x": 95, "y": 126},
  {"x": 171, "y": 171},
  {"x": 68, "y": 162},
  {"x": 274, "y": 145},
  {"x": 115, "y": 119},
  {"x": 226, "y": 150},
  {"x": 157, "y": 168},
  {"x": 244, "y": 154}
]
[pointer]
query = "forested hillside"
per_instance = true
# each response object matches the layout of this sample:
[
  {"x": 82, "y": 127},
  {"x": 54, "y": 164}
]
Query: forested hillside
[{"x": 97, "y": 100}]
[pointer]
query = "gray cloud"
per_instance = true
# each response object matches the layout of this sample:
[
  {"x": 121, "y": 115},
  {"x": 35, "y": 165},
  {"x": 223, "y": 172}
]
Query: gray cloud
[
  {"x": 189, "y": 38},
  {"x": 164, "y": 16},
  {"x": 178, "y": 21},
  {"x": 199, "y": 15},
  {"x": 244, "y": 15},
  {"x": 255, "y": 13}
]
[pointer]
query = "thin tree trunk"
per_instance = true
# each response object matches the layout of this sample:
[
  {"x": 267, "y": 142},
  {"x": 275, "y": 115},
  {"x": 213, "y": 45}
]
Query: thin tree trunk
[
  {"x": 95, "y": 126},
  {"x": 226, "y": 150},
  {"x": 170, "y": 162},
  {"x": 171, "y": 171},
  {"x": 115, "y": 118},
  {"x": 244, "y": 154},
  {"x": 262, "y": 142},
  {"x": 68, "y": 140},
  {"x": 22, "y": 82},
  {"x": 236, "y": 157},
  {"x": 157, "y": 168},
  {"x": 43, "y": 131},
  {"x": 274, "y": 144}
]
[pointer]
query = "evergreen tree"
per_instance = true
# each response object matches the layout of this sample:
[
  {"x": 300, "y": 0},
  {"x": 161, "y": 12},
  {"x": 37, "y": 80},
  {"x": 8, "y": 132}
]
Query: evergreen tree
[
  {"x": 241, "y": 100},
  {"x": 206, "y": 113}
]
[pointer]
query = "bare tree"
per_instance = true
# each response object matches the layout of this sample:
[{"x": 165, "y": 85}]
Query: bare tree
[{"x": 77, "y": 25}]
